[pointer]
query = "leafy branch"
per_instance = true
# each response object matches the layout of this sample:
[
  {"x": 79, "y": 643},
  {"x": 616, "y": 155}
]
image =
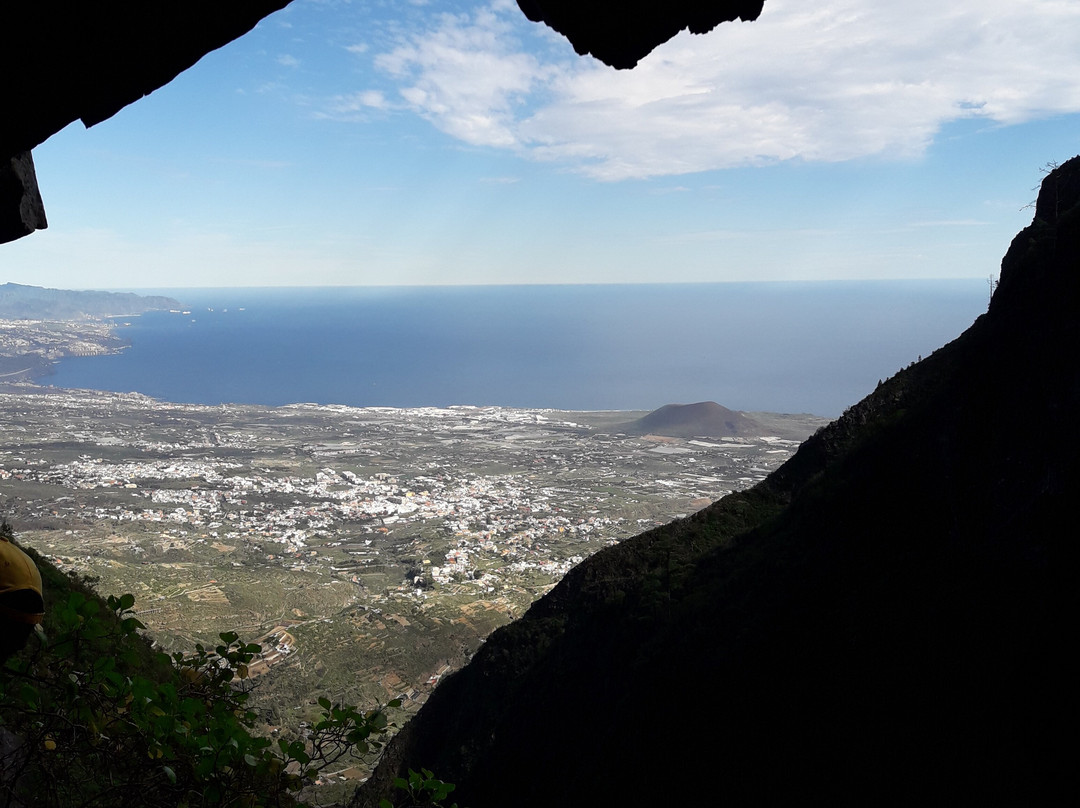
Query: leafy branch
[{"x": 93, "y": 717}]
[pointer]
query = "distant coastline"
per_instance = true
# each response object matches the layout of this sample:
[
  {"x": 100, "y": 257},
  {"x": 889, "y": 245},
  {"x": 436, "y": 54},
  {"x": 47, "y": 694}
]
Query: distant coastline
[
  {"x": 39, "y": 327},
  {"x": 800, "y": 347},
  {"x": 21, "y": 302},
  {"x": 30, "y": 349}
]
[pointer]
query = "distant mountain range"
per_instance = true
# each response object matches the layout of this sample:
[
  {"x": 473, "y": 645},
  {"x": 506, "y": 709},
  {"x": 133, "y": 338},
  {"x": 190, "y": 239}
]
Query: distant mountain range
[{"x": 19, "y": 302}]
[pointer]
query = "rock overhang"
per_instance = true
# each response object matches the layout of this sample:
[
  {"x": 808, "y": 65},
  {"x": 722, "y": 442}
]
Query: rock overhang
[{"x": 65, "y": 61}]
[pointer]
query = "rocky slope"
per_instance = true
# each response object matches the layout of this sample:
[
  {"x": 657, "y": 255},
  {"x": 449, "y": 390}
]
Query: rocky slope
[{"x": 883, "y": 618}]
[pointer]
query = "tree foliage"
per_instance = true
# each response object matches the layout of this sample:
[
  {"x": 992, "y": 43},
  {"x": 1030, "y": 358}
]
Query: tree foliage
[
  {"x": 419, "y": 789},
  {"x": 91, "y": 716}
]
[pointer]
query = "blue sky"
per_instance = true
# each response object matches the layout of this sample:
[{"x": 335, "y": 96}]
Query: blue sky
[{"x": 397, "y": 142}]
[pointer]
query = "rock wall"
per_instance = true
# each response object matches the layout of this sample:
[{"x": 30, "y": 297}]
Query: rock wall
[
  {"x": 65, "y": 61},
  {"x": 883, "y": 619},
  {"x": 621, "y": 32},
  {"x": 21, "y": 209}
]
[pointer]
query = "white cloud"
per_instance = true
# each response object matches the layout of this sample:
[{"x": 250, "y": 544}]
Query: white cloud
[
  {"x": 356, "y": 106},
  {"x": 465, "y": 76},
  {"x": 837, "y": 80},
  {"x": 372, "y": 98},
  {"x": 287, "y": 60}
]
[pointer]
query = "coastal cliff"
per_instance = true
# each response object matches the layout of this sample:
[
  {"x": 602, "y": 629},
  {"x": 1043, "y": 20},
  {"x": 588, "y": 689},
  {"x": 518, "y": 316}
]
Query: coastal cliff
[{"x": 883, "y": 616}]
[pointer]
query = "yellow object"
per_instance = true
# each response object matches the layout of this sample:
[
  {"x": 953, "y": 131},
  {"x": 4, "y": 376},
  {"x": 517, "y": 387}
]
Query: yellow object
[{"x": 18, "y": 573}]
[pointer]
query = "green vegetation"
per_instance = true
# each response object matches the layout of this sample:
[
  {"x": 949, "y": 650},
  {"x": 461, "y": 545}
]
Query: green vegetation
[
  {"x": 420, "y": 788},
  {"x": 92, "y": 715}
]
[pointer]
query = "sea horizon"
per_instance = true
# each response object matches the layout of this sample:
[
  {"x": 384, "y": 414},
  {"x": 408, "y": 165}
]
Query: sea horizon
[
  {"x": 173, "y": 291},
  {"x": 806, "y": 346}
]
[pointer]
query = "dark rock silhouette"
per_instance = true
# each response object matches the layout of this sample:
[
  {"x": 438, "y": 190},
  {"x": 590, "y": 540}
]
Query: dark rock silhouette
[
  {"x": 619, "y": 33},
  {"x": 21, "y": 209},
  {"x": 884, "y": 619},
  {"x": 705, "y": 419},
  {"x": 64, "y": 61}
]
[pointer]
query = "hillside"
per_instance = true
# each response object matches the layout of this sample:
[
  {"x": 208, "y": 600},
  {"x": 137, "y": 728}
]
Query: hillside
[
  {"x": 706, "y": 419},
  {"x": 20, "y": 302},
  {"x": 92, "y": 713},
  {"x": 884, "y": 616}
]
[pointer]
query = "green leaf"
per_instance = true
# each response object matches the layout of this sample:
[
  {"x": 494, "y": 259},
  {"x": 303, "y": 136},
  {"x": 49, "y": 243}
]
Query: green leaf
[
  {"x": 169, "y": 773},
  {"x": 129, "y": 624}
]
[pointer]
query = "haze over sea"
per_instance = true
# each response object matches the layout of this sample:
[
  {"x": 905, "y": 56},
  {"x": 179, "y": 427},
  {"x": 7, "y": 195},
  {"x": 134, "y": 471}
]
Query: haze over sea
[{"x": 782, "y": 347}]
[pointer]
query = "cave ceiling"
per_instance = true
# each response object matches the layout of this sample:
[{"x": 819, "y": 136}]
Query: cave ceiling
[
  {"x": 621, "y": 32},
  {"x": 65, "y": 61}
]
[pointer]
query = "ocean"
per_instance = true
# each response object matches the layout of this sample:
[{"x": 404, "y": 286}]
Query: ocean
[{"x": 781, "y": 347}]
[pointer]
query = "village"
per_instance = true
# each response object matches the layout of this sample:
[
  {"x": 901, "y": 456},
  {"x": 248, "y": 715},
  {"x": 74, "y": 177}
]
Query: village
[
  {"x": 372, "y": 549},
  {"x": 521, "y": 486},
  {"x": 28, "y": 347}
]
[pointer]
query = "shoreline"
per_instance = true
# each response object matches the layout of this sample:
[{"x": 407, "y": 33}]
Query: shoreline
[
  {"x": 30, "y": 348},
  {"x": 778, "y": 423}
]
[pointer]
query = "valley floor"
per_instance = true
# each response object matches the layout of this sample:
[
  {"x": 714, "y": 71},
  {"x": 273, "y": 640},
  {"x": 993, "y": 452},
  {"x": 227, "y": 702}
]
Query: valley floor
[{"x": 370, "y": 550}]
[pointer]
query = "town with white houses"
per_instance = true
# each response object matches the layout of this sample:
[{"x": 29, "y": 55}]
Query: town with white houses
[{"x": 371, "y": 550}]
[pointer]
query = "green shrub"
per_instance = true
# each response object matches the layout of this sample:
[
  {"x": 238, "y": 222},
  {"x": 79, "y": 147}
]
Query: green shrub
[
  {"x": 92, "y": 717},
  {"x": 419, "y": 789}
]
